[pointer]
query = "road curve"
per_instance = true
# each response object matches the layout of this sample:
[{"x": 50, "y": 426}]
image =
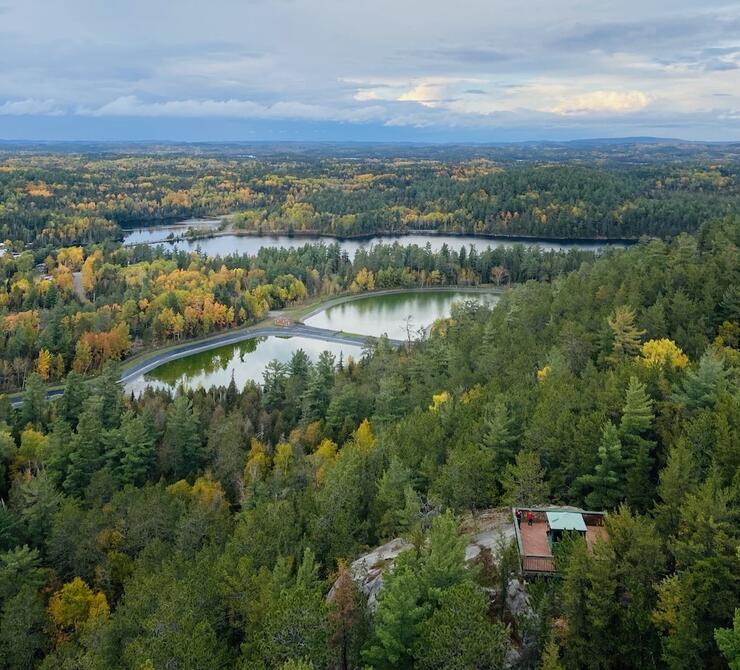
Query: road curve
[
  {"x": 294, "y": 330},
  {"x": 187, "y": 349}
]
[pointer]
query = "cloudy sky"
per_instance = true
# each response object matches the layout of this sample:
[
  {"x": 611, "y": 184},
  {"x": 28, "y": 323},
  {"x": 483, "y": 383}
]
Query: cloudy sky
[{"x": 417, "y": 70}]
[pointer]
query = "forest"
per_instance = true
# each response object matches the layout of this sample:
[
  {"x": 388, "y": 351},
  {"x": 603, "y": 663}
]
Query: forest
[
  {"x": 130, "y": 299},
  {"x": 217, "y": 527},
  {"x": 205, "y": 529},
  {"x": 67, "y": 198}
]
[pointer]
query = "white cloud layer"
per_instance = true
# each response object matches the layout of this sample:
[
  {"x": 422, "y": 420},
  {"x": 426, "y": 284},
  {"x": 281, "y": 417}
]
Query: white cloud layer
[{"x": 603, "y": 102}]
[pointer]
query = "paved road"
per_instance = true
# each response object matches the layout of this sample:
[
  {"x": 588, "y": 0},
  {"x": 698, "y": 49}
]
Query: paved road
[{"x": 187, "y": 349}]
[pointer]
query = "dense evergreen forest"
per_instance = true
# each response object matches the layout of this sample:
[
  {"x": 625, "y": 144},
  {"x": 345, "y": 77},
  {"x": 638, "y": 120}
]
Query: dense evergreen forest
[
  {"x": 216, "y": 528},
  {"x": 206, "y": 529}
]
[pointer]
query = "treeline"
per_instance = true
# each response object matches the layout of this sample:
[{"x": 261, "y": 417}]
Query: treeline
[
  {"x": 83, "y": 307},
  {"x": 205, "y": 529},
  {"x": 52, "y": 200}
]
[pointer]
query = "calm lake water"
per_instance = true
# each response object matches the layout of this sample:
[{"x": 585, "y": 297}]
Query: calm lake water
[
  {"x": 152, "y": 234},
  {"x": 392, "y": 314},
  {"x": 246, "y": 361},
  {"x": 251, "y": 244}
]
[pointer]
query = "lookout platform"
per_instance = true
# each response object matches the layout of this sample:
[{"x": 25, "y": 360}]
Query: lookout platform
[{"x": 549, "y": 526}]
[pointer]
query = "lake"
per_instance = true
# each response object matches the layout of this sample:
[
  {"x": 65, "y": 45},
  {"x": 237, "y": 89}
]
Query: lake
[
  {"x": 392, "y": 314},
  {"x": 246, "y": 361},
  {"x": 250, "y": 244},
  {"x": 152, "y": 234}
]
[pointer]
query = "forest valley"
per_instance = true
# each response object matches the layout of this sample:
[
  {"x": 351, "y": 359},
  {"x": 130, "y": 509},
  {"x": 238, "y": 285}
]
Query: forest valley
[
  {"x": 216, "y": 528},
  {"x": 204, "y": 529},
  {"x": 71, "y": 298}
]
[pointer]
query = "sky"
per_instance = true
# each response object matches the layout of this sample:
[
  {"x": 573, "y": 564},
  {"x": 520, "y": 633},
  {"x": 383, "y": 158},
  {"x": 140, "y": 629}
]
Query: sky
[{"x": 369, "y": 70}]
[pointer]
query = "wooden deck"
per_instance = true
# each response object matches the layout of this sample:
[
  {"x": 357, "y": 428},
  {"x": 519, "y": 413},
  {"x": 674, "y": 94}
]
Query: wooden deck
[
  {"x": 536, "y": 554},
  {"x": 534, "y": 549}
]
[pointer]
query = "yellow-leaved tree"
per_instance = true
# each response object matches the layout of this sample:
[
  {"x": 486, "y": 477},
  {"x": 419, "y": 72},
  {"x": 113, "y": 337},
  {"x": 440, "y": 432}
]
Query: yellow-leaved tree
[
  {"x": 364, "y": 281},
  {"x": 664, "y": 352},
  {"x": 258, "y": 462},
  {"x": 364, "y": 437},
  {"x": 76, "y": 606},
  {"x": 323, "y": 458},
  {"x": 43, "y": 364},
  {"x": 438, "y": 400}
]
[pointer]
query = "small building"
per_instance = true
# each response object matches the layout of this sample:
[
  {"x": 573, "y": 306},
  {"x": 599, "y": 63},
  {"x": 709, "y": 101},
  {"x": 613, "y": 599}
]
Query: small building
[{"x": 539, "y": 529}]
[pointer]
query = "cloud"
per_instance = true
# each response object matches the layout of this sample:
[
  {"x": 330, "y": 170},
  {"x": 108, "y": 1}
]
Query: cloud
[
  {"x": 602, "y": 102},
  {"x": 30, "y": 107},
  {"x": 685, "y": 31},
  {"x": 484, "y": 55},
  {"x": 426, "y": 93},
  {"x": 229, "y": 109},
  {"x": 720, "y": 65},
  {"x": 601, "y": 68}
]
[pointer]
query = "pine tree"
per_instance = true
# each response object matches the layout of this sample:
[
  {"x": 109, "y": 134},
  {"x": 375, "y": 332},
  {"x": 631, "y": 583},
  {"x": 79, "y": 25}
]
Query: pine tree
[
  {"x": 316, "y": 398},
  {"x": 138, "y": 453},
  {"x": 346, "y": 616},
  {"x": 183, "y": 450},
  {"x": 728, "y": 641},
  {"x": 606, "y": 482},
  {"x": 87, "y": 448},
  {"x": 677, "y": 480},
  {"x": 625, "y": 334},
  {"x": 459, "y": 635},
  {"x": 524, "y": 481},
  {"x": 273, "y": 384},
  {"x": 551, "y": 656},
  {"x": 637, "y": 420},
  {"x": 389, "y": 500},
  {"x": 443, "y": 556},
  {"x": 75, "y": 393},
  {"x": 59, "y": 448},
  {"x": 401, "y": 609},
  {"x": 702, "y": 386},
  {"x": 410, "y": 516},
  {"x": 34, "y": 409},
  {"x": 499, "y": 434},
  {"x": 110, "y": 393}
]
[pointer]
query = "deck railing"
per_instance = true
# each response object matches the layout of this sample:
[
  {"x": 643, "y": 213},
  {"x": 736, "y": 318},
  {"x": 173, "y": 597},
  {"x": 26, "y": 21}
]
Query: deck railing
[{"x": 540, "y": 564}]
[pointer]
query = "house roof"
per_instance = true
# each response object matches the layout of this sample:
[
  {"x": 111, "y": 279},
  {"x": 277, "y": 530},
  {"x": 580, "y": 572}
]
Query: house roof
[{"x": 566, "y": 521}]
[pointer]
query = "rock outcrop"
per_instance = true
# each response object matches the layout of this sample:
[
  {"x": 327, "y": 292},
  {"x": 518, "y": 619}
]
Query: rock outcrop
[{"x": 490, "y": 529}]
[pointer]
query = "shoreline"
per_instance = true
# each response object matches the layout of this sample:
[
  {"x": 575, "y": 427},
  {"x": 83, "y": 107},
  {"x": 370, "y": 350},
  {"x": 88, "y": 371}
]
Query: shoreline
[
  {"x": 149, "y": 359},
  {"x": 299, "y": 234}
]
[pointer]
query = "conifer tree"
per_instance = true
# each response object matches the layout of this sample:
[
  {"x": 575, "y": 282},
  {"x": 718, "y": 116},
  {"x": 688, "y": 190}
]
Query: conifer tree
[
  {"x": 34, "y": 409},
  {"x": 87, "y": 447},
  {"x": 701, "y": 387},
  {"x": 138, "y": 453},
  {"x": 316, "y": 398},
  {"x": 183, "y": 451},
  {"x": 499, "y": 434},
  {"x": 606, "y": 482},
  {"x": 677, "y": 480},
  {"x": 390, "y": 498},
  {"x": 524, "y": 481},
  {"x": 637, "y": 419},
  {"x": 625, "y": 334}
]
